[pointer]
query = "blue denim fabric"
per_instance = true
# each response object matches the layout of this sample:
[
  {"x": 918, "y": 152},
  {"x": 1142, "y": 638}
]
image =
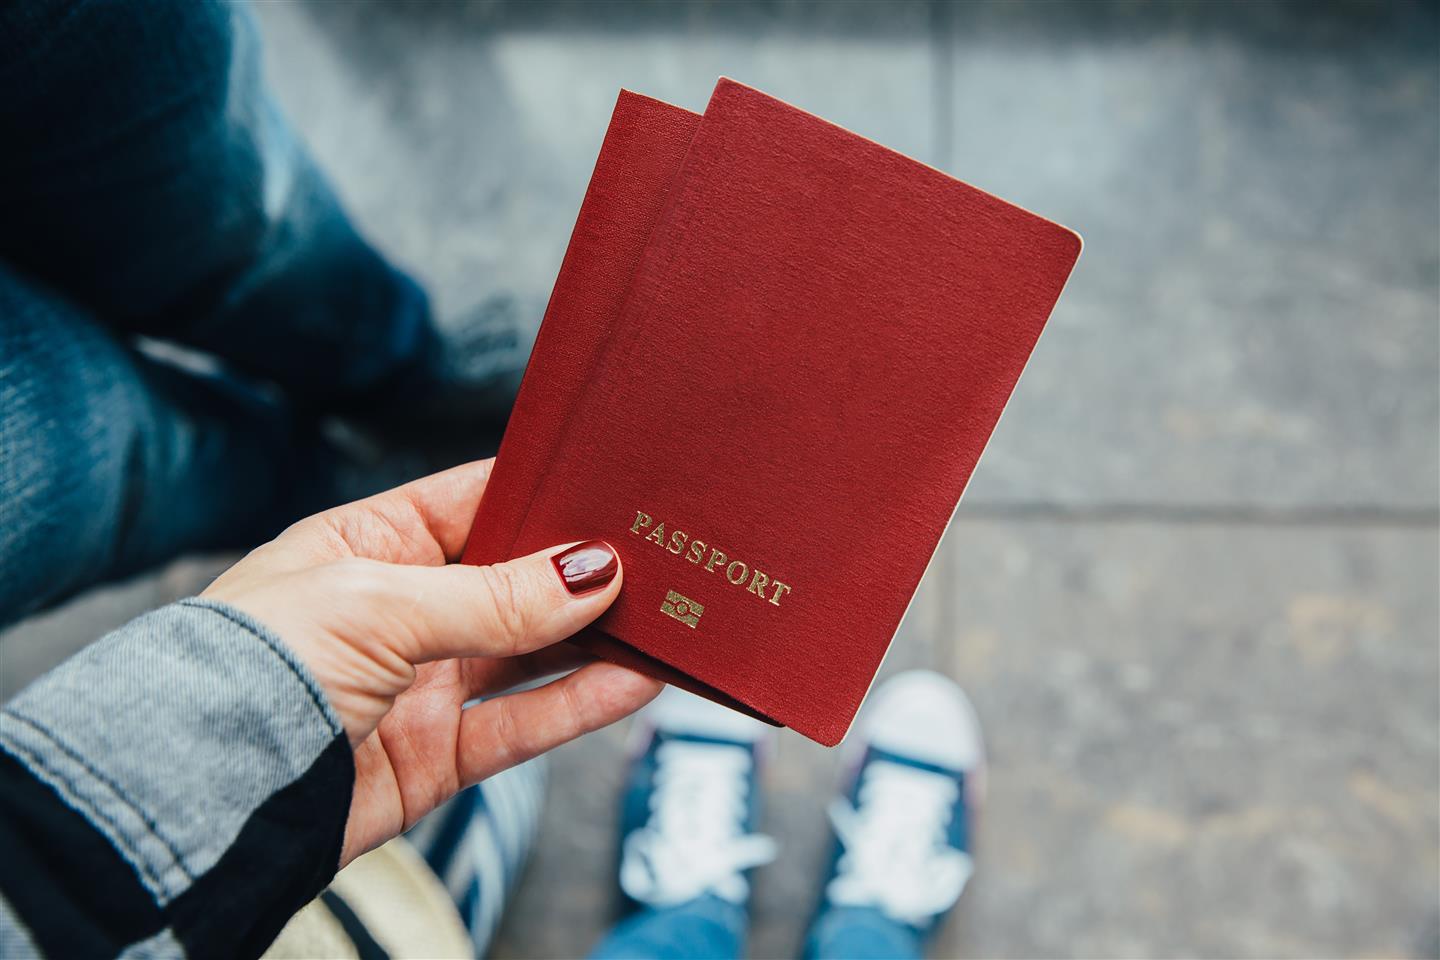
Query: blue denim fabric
[
  {"x": 151, "y": 180},
  {"x": 152, "y": 189},
  {"x": 860, "y": 933},
  {"x": 706, "y": 928},
  {"x": 111, "y": 462},
  {"x": 712, "y": 929}
]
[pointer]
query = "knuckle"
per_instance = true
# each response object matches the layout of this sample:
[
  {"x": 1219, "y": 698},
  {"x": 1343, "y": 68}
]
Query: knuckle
[
  {"x": 505, "y": 595},
  {"x": 357, "y": 575},
  {"x": 575, "y": 708},
  {"x": 509, "y": 740}
]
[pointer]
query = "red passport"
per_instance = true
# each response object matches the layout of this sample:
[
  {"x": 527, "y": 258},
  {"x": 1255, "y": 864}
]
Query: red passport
[{"x": 774, "y": 354}]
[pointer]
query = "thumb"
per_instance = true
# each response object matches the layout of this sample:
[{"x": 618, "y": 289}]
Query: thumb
[{"x": 498, "y": 610}]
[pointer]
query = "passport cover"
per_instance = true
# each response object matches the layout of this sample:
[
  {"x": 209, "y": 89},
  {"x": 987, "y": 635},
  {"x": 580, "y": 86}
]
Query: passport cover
[
  {"x": 642, "y": 151},
  {"x": 773, "y": 414}
]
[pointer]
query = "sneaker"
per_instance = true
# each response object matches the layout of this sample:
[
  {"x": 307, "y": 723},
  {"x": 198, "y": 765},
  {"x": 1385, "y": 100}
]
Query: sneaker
[
  {"x": 902, "y": 832},
  {"x": 692, "y": 804}
]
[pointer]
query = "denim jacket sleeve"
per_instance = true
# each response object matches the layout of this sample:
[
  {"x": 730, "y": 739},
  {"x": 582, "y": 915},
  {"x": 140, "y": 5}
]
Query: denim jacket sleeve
[{"x": 180, "y": 787}]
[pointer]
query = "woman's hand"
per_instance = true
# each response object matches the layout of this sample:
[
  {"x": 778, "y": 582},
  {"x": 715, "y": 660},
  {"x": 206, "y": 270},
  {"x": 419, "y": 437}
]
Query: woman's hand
[{"x": 400, "y": 638}]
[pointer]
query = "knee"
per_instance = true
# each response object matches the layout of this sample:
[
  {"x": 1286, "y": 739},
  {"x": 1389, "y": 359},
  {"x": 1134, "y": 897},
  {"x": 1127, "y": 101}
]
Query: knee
[{"x": 66, "y": 437}]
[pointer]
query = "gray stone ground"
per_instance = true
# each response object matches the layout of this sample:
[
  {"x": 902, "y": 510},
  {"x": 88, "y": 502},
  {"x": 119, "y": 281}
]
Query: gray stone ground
[{"x": 1193, "y": 587}]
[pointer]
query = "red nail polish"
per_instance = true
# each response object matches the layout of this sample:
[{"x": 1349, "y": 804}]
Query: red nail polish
[{"x": 587, "y": 566}]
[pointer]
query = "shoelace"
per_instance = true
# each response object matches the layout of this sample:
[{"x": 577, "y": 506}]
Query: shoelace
[
  {"x": 896, "y": 856},
  {"x": 695, "y": 840}
]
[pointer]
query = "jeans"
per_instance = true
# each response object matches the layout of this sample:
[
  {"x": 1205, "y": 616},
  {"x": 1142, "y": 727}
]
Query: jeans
[
  {"x": 706, "y": 928},
  {"x": 154, "y": 193},
  {"x": 154, "y": 197},
  {"x": 709, "y": 928},
  {"x": 860, "y": 933}
]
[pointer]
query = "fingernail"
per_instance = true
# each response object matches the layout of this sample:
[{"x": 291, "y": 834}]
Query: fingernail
[{"x": 587, "y": 566}]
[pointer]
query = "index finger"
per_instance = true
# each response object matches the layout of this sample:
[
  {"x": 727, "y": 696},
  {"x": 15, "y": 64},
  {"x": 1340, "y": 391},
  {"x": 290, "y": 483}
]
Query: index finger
[
  {"x": 446, "y": 502},
  {"x": 425, "y": 521},
  {"x": 503, "y": 731}
]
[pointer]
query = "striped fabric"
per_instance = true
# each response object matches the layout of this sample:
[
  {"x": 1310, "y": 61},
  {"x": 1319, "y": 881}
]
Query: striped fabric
[
  {"x": 478, "y": 843},
  {"x": 102, "y": 855},
  {"x": 106, "y": 851}
]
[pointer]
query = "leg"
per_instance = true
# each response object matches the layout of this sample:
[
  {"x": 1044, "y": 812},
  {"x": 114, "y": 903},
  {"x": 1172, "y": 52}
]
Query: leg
[
  {"x": 112, "y": 463},
  {"x": 688, "y": 848},
  {"x": 478, "y": 843},
  {"x": 902, "y": 850},
  {"x": 863, "y": 933},
  {"x": 707, "y": 928},
  {"x": 151, "y": 180}
]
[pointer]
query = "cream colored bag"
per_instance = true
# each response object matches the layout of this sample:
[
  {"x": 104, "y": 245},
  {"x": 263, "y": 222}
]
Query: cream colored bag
[{"x": 396, "y": 897}]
